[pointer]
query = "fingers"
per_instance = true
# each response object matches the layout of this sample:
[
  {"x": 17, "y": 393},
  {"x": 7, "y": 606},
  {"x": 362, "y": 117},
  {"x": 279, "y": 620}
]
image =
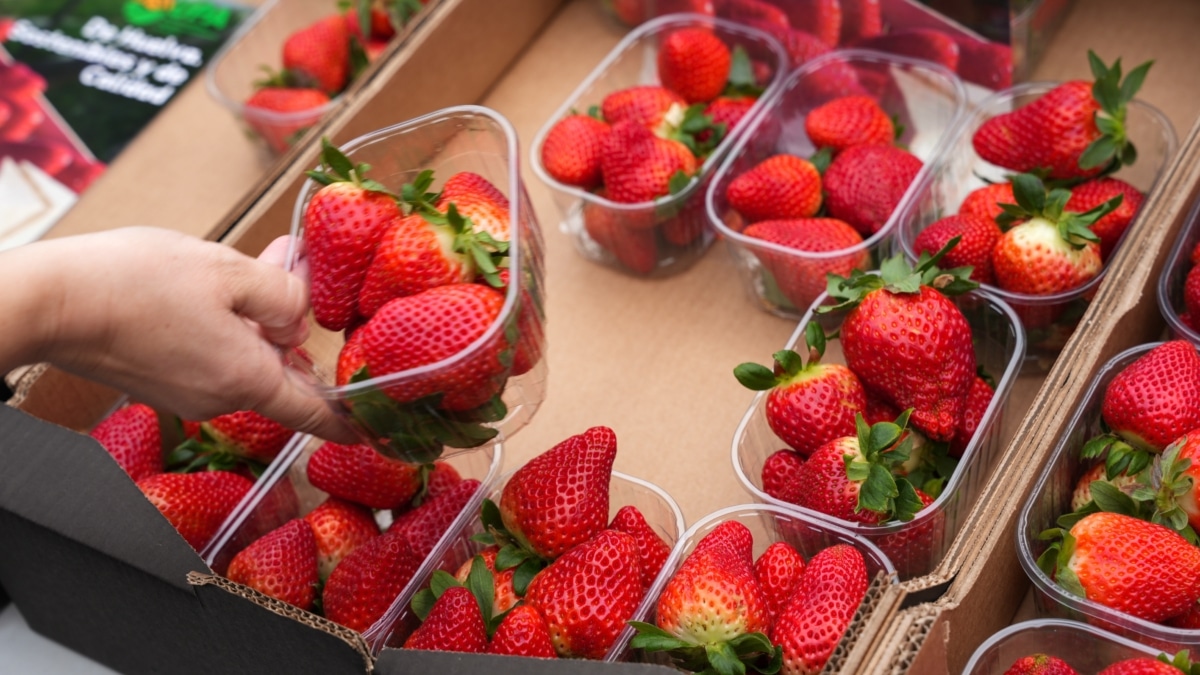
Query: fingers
[
  {"x": 294, "y": 404},
  {"x": 274, "y": 299},
  {"x": 275, "y": 254}
]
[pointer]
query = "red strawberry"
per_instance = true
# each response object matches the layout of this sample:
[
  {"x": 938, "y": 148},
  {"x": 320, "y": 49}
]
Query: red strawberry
[
  {"x": 634, "y": 12},
  {"x": 835, "y": 78},
  {"x": 908, "y": 342},
  {"x": 443, "y": 477},
  {"x": 364, "y": 584},
  {"x": 1110, "y": 558},
  {"x": 646, "y": 105},
  {"x": 248, "y": 434},
  {"x": 652, "y": 550},
  {"x": 343, "y": 224},
  {"x": 778, "y": 571},
  {"x": 425, "y": 525},
  {"x": 1083, "y": 488},
  {"x": 1109, "y": 228},
  {"x": 1155, "y": 399},
  {"x": 727, "y": 110},
  {"x": 832, "y": 587},
  {"x": 380, "y": 25},
  {"x": 978, "y": 239},
  {"x": 1189, "y": 620},
  {"x": 1059, "y": 132},
  {"x": 634, "y": 247},
  {"x": 688, "y": 226},
  {"x": 879, "y": 410},
  {"x": 476, "y": 198},
  {"x": 455, "y": 624},
  {"x": 807, "y": 405},
  {"x": 1145, "y": 665},
  {"x": 504, "y": 597},
  {"x": 822, "y": 18},
  {"x": 801, "y": 279},
  {"x": 282, "y": 565},
  {"x": 523, "y": 633},
  {"x": 801, "y": 46},
  {"x": 1040, "y": 664},
  {"x": 571, "y": 151},
  {"x": 359, "y": 474},
  {"x": 639, "y": 167},
  {"x": 1172, "y": 484},
  {"x": 319, "y": 55},
  {"x": 985, "y": 202},
  {"x": 986, "y": 63},
  {"x": 861, "y": 19},
  {"x": 865, "y": 183},
  {"x": 927, "y": 44},
  {"x": 588, "y": 594},
  {"x": 912, "y": 549},
  {"x": 747, "y": 11},
  {"x": 978, "y": 399},
  {"x": 339, "y": 527},
  {"x": 351, "y": 359},
  {"x": 131, "y": 435},
  {"x": 559, "y": 499},
  {"x": 428, "y": 327},
  {"x": 849, "y": 121},
  {"x": 780, "y": 475},
  {"x": 779, "y": 187},
  {"x": 694, "y": 63},
  {"x": 195, "y": 503},
  {"x": 530, "y": 324},
  {"x": 1191, "y": 298}
]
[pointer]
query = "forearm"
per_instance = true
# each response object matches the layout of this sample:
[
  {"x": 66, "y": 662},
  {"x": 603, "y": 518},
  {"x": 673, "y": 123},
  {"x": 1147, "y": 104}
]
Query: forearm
[{"x": 31, "y": 302}]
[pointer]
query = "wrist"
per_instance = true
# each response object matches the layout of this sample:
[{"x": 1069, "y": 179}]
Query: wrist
[{"x": 32, "y": 307}]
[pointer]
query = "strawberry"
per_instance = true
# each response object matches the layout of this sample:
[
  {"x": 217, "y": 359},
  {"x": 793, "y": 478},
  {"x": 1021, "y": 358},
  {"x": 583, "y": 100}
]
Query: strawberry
[
  {"x": 523, "y": 633},
  {"x": 747, "y": 11},
  {"x": 639, "y": 167},
  {"x": 454, "y": 625},
  {"x": 131, "y": 435},
  {"x": 912, "y": 549},
  {"x": 694, "y": 63},
  {"x": 195, "y": 503},
  {"x": 248, "y": 434},
  {"x": 849, "y": 121},
  {"x": 1110, "y": 228},
  {"x": 801, "y": 279},
  {"x": 985, "y": 202},
  {"x": 559, "y": 499},
  {"x": 986, "y": 63},
  {"x": 588, "y": 594},
  {"x": 779, "y": 187},
  {"x": 504, "y": 597},
  {"x": 339, "y": 527},
  {"x": 861, "y": 19},
  {"x": 978, "y": 237},
  {"x": 979, "y": 397},
  {"x": 1156, "y": 399},
  {"x": 832, "y": 587},
  {"x": 634, "y": 12},
  {"x": 319, "y": 55},
  {"x": 359, "y": 474},
  {"x": 1083, "y": 488},
  {"x": 781, "y": 474},
  {"x": 351, "y": 359},
  {"x": 834, "y": 79},
  {"x": 1040, "y": 664},
  {"x": 822, "y": 18},
  {"x": 478, "y": 200},
  {"x": 636, "y": 248},
  {"x": 929, "y": 363},
  {"x": 417, "y": 330},
  {"x": 778, "y": 571},
  {"x": 1189, "y": 620},
  {"x": 688, "y": 226},
  {"x": 282, "y": 565},
  {"x": 378, "y": 24},
  {"x": 530, "y": 323},
  {"x": 443, "y": 477},
  {"x": 652, "y": 550},
  {"x": 425, "y": 525},
  {"x": 712, "y": 605},
  {"x": 362, "y": 587},
  {"x": 1110, "y": 558},
  {"x": 879, "y": 409},
  {"x": 1075, "y": 130},
  {"x": 1144, "y": 665},
  {"x": 648, "y": 105},
  {"x": 571, "y": 151},
  {"x": 343, "y": 224},
  {"x": 807, "y": 405},
  {"x": 727, "y": 110},
  {"x": 1169, "y": 489},
  {"x": 865, "y": 183},
  {"x": 927, "y": 44},
  {"x": 1191, "y": 299},
  {"x": 801, "y": 46}
]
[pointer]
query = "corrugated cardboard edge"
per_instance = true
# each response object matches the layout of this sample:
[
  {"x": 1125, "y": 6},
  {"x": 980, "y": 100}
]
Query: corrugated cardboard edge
[
  {"x": 990, "y": 585},
  {"x": 880, "y": 594},
  {"x": 351, "y": 638}
]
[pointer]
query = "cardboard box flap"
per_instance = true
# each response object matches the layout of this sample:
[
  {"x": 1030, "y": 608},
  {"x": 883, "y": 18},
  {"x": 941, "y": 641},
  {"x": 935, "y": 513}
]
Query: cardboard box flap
[
  {"x": 75, "y": 488},
  {"x": 407, "y": 661}
]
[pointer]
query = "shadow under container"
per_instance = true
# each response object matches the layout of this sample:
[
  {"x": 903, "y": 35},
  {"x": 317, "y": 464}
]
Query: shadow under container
[
  {"x": 1085, "y": 648},
  {"x": 231, "y": 74},
  {"x": 768, "y": 524},
  {"x": 284, "y": 492},
  {"x": 449, "y": 141},
  {"x": 1051, "y": 498},
  {"x": 1174, "y": 276},
  {"x": 1049, "y": 320},
  {"x": 659, "y": 509},
  {"x": 915, "y": 547},
  {"x": 674, "y": 226},
  {"x": 925, "y": 98}
]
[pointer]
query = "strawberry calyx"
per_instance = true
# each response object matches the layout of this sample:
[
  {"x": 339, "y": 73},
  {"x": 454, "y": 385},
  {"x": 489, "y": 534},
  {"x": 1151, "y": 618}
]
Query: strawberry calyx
[
  {"x": 1035, "y": 202},
  {"x": 1165, "y": 482},
  {"x": 336, "y": 167},
  {"x": 750, "y": 652},
  {"x": 480, "y": 249},
  {"x": 403, "y": 11},
  {"x": 742, "y": 81},
  {"x": 1120, "y": 457},
  {"x": 687, "y": 125},
  {"x": 897, "y": 275},
  {"x": 929, "y": 465},
  {"x": 479, "y": 582},
  {"x": 788, "y": 364},
  {"x": 1182, "y": 661},
  {"x": 883, "y": 449},
  {"x": 1055, "y": 560},
  {"x": 209, "y": 453},
  {"x": 1113, "y": 148},
  {"x": 515, "y": 553}
]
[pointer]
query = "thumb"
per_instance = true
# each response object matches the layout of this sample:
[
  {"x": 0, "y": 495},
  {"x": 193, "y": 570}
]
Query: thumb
[
  {"x": 296, "y": 404},
  {"x": 274, "y": 299}
]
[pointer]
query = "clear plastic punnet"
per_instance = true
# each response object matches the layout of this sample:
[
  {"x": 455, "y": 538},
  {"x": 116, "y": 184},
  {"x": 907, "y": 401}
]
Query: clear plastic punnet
[
  {"x": 666, "y": 235},
  {"x": 1049, "y": 320},
  {"x": 915, "y": 547},
  {"x": 659, "y": 509},
  {"x": 1051, "y": 498},
  {"x": 1085, "y": 648},
  {"x": 924, "y": 98},
  {"x": 462, "y": 139},
  {"x": 1173, "y": 278}
]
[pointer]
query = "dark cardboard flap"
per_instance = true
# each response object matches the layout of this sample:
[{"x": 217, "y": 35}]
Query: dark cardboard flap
[
  {"x": 407, "y": 661},
  {"x": 66, "y": 482}
]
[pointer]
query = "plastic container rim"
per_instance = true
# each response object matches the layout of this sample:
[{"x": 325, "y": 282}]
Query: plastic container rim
[
  {"x": 1037, "y": 624},
  {"x": 1174, "y": 259}
]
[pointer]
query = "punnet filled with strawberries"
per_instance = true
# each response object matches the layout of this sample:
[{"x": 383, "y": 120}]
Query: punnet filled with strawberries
[
  {"x": 289, "y": 66},
  {"x": 1108, "y": 534},
  {"x": 758, "y": 589},
  {"x": 426, "y": 274},
  {"x": 553, "y": 564},
  {"x": 813, "y": 186},
  {"x": 343, "y": 532},
  {"x": 1089, "y": 151},
  {"x": 629, "y": 154},
  {"x": 1057, "y": 647},
  {"x": 1179, "y": 282},
  {"x": 884, "y": 412}
]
